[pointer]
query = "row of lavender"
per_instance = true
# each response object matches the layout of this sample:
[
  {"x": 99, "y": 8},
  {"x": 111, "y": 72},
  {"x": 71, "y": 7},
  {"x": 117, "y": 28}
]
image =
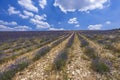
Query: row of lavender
[
  {"x": 21, "y": 61},
  {"x": 103, "y": 49},
  {"x": 108, "y": 39}
]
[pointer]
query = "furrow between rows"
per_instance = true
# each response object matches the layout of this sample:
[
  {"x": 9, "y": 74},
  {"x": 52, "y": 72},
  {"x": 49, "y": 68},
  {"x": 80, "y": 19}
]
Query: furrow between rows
[{"x": 37, "y": 71}]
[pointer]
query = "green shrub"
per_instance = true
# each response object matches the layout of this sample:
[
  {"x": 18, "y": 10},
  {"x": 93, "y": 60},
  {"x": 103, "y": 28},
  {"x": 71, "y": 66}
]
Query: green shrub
[
  {"x": 90, "y": 52},
  {"x": 70, "y": 42},
  {"x": 108, "y": 46},
  {"x": 41, "y": 52},
  {"x": 60, "y": 60},
  {"x": 84, "y": 43},
  {"x": 100, "y": 66},
  {"x": 12, "y": 70}
]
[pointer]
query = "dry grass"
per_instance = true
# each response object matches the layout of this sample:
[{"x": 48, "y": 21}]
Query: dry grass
[{"x": 117, "y": 47}]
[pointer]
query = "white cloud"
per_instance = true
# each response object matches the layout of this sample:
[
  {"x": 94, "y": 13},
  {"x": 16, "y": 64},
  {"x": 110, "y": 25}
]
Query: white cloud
[
  {"x": 95, "y": 27},
  {"x": 5, "y": 28},
  {"x": 23, "y": 16},
  {"x": 27, "y": 13},
  {"x": 80, "y": 5},
  {"x": 17, "y": 28},
  {"x": 56, "y": 29},
  {"x": 22, "y": 28},
  {"x": 7, "y": 23},
  {"x": 42, "y": 17},
  {"x": 73, "y": 21},
  {"x": 42, "y": 3},
  {"x": 12, "y": 26},
  {"x": 28, "y": 4},
  {"x": 42, "y": 24},
  {"x": 108, "y": 22},
  {"x": 11, "y": 10},
  {"x": 77, "y": 25},
  {"x": 39, "y": 21}
]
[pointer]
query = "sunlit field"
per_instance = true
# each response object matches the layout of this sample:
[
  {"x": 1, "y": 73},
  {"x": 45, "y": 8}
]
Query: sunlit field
[
  {"x": 59, "y": 40},
  {"x": 60, "y": 55}
]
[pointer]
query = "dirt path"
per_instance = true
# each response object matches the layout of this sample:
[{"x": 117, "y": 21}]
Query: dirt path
[
  {"x": 37, "y": 71},
  {"x": 77, "y": 68}
]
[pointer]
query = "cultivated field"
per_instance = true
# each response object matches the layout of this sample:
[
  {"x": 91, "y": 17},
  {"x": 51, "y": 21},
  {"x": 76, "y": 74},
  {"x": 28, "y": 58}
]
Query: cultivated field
[{"x": 60, "y": 55}]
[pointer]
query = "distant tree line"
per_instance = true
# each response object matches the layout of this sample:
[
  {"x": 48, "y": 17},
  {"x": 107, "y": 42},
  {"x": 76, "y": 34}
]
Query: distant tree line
[{"x": 116, "y": 29}]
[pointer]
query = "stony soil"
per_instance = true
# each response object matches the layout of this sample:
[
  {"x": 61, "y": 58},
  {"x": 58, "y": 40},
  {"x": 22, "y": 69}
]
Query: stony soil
[{"x": 37, "y": 71}]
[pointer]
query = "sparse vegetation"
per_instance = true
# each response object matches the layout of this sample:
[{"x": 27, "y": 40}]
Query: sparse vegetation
[
  {"x": 41, "y": 52},
  {"x": 100, "y": 66},
  {"x": 96, "y": 64},
  {"x": 90, "y": 52},
  {"x": 12, "y": 69},
  {"x": 60, "y": 60},
  {"x": 19, "y": 51}
]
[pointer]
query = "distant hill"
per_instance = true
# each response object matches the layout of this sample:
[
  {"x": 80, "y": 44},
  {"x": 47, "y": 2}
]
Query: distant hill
[{"x": 117, "y": 29}]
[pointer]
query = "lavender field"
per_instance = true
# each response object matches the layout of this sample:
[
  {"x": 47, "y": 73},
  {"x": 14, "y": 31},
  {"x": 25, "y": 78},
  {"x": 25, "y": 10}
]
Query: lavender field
[{"x": 60, "y": 55}]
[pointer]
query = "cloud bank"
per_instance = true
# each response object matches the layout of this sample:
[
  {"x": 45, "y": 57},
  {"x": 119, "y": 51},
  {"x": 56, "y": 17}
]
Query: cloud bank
[
  {"x": 12, "y": 26},
  {"x": 80, "y": 5},
  {"x": 28, "y": 4},
  {"x": 95, "y": 27}
]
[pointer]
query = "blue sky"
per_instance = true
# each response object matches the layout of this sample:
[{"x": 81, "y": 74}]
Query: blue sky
[{"x": 27, "y": 15}]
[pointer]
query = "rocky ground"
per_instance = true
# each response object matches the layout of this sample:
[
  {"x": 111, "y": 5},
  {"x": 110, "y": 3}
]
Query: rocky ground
[
  {"x": 77, "y": 68},
  {"x": 37, "y": 71},
  {"x": 109, "y": 57}
]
